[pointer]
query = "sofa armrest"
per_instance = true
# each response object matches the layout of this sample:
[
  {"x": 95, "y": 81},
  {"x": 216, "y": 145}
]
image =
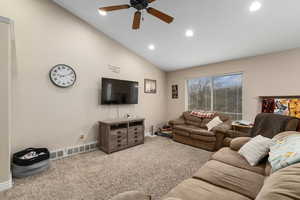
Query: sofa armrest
[
  {"x": 237, "y": 143},
  {"x": 220, "y": 132},
  {"x": 235, "y": 134},
  {"x": 222, "y": 128},
  {"x": 179, "y": 121}
]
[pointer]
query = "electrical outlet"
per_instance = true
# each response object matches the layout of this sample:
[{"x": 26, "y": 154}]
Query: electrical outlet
[{"x": 82, "y": 136}]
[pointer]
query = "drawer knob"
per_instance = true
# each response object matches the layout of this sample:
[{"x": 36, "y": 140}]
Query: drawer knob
[{"x": 119, "y": 136}]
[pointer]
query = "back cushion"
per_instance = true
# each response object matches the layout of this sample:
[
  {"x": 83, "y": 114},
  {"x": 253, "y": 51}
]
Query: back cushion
[
  {"x": 282, "y": 185},
  {"x": 292, "y": 125},
  {"x": 192, "y": 120},
  {"x": 282, "y": 135},
  {"x": 204, "y": 122},
  {"x": 223, "y": 117}
]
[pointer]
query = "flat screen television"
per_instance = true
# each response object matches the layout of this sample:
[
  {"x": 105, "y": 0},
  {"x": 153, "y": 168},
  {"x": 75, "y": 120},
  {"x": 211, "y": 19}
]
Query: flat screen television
[{"x": 116, "y": 92}]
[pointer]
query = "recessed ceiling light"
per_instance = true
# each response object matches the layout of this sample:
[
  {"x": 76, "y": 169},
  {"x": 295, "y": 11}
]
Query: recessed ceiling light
[
  {"x": 189, "y": 33},
  {"x": 102, "y": 12},
  {"x": 151, "y": 47},
  {"x": 255, "y": 6}
]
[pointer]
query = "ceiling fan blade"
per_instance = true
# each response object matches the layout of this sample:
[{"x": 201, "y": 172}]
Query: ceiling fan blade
[
  {"x": 164, "y": 17},
  {"x": 150, "y": 1},
  {"x": 112, "y": 8},
  {"x": 136, "y": 20}
]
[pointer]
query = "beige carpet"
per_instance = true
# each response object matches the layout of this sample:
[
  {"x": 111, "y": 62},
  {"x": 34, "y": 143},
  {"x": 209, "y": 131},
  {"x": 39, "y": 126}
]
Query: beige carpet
[{"x": 155, "y": 168}]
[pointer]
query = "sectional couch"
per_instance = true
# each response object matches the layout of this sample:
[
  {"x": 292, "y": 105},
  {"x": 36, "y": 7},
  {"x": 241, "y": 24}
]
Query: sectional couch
[{"x": 228, "y": 176}]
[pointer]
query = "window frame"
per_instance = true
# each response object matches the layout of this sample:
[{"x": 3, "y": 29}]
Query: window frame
[{"x": 211, "y": 77}]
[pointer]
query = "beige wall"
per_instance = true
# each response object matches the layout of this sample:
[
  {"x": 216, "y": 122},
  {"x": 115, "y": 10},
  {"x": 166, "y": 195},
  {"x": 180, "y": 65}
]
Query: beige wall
[
  {"x": 45, "y": 115},
  {"x": 5, "y": 105},
  {"x": 274, "y": 74}
]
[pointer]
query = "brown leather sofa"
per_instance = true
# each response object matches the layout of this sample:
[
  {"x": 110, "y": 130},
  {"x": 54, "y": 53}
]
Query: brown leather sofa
[
  {"x": 228, "y": 176},
  {"x": 192, "y": 130}
]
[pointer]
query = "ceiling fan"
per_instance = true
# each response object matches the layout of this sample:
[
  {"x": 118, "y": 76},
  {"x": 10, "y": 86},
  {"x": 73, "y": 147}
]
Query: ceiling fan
[{"x": 140, "y": 5}]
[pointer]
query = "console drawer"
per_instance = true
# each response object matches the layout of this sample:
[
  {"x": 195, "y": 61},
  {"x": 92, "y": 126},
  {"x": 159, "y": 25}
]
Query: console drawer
[
  {"x": 118, "y": 144},
  {"x": 135, "y": 129},
  {"x": 118, "y": 134},
  {"x": 134, "y": 135},
  {"x": 135, "y": 141}
]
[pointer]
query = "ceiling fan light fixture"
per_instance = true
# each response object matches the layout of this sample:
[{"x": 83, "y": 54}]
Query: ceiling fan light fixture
[
  {"x": 189, "y": 33},
  {"x": 151, "y": 47},
  {"x": 255, "y": 6},
  {"x": 102, "y": 12}
]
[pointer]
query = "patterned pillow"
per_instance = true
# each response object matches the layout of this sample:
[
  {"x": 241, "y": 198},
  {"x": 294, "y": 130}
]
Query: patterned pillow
[
  {"x": 284, "y": 152},
  {"x": 203, "y": 114}
]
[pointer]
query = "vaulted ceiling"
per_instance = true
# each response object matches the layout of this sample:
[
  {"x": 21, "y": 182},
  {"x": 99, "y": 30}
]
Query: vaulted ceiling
[{"x": 223, "y": 29}]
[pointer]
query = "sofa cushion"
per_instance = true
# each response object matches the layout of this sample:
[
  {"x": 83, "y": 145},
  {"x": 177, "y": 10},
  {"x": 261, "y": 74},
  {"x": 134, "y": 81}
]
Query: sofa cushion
[
  {"x": 230, "y": 157},
  {"x": 181, "y": 132},
  {"x": 268, "y": 169},
  {"x": 232, "y": 178},
  {"x": 285, "y": 134},
  {"x": 223, "y": 117},
  {"x": 188, "y": 122},
  {"x": 189, "y": 117},
  {"x": 204, "y": 122},
  {"x": 187, "y": 128},
  {"x": 237, "y": 143},
  {"x": 203, "y": 138},
  {"x": 193, "y": 189},
  {"x": 282, "y": 185},
  {"x": 200, "y": 131}
]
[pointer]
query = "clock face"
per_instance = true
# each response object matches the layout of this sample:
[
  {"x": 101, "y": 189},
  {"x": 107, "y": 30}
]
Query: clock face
[{"x": 62, "y": 76}]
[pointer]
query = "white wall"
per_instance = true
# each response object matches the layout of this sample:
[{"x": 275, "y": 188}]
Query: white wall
[
  {"x": 48, "y": 116},
  {"x": 268, "y": 75},
  {"x": 5, "y": 103}
]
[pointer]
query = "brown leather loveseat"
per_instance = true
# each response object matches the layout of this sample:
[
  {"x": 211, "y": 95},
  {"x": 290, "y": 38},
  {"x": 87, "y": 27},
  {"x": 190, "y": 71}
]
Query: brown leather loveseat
[{"x": 192, "y": 130}]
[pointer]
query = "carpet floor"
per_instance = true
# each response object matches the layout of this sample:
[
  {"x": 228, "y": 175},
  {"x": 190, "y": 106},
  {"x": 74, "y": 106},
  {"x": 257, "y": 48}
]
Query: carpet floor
[{"x": 155, "y": 168}]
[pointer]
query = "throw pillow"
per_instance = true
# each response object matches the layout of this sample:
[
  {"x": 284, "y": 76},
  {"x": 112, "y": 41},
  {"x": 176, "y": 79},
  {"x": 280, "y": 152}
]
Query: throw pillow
[
  {"x": 213, "y": 123},
  {"x": 256, "y": 149},
  {"x": 285, "y": 152}
]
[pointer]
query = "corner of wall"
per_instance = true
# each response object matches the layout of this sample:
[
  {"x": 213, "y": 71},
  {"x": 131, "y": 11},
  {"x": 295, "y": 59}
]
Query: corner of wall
[{"x": 6, "y": 185}]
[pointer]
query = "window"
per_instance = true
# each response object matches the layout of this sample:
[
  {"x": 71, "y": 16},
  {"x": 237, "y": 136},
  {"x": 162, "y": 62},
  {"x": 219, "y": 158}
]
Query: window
[{"x": 218, "y": 93}]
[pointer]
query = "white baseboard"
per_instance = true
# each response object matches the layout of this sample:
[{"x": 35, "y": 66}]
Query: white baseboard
[{"x": 6, "y": 185}]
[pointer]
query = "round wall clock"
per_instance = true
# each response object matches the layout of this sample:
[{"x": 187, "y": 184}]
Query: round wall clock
[{"x": 62, "y": 76}]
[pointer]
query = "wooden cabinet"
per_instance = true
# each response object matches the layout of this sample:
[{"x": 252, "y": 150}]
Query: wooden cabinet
[{"x": 119, "y": 134}]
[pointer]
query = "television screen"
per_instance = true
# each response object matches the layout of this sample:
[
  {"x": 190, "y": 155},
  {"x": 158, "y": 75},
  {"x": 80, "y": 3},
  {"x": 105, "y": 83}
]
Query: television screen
[{"x": 119, "y": 92}]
